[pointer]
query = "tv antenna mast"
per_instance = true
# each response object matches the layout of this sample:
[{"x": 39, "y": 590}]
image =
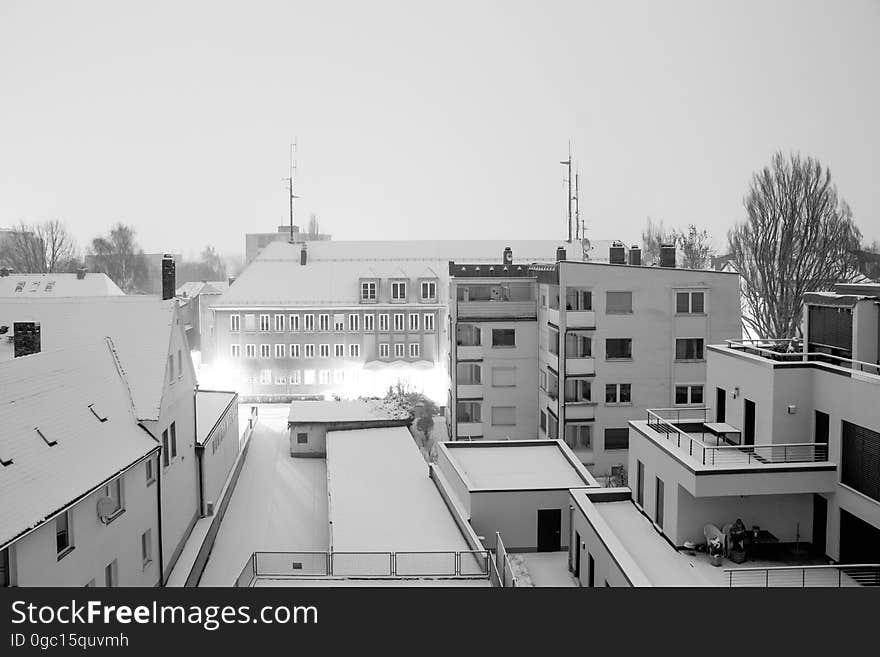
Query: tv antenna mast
[
  {"x": 290, "y": 181},
  {"x": 567, "y": 163}
]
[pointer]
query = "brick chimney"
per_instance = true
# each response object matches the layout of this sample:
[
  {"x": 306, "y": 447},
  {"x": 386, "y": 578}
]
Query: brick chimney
[{"x": 168, "y": 277}]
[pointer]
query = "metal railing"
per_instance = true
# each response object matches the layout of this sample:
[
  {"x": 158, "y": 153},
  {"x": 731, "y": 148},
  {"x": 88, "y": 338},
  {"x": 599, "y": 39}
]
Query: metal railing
[
  {"x": 729, "y": 455},
  {"x": 781, "y": 350},
  {"x": 832, "y": 575},
  {"x": 311, "y": 565},
  {"x": 502, "y": 563}
]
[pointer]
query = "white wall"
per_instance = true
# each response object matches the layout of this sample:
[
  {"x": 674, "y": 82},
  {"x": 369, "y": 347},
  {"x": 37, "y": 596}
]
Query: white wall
[
  {"x": 219, "y": 454},
  {"x": 515, "y": 515},
  {"x": 317, "y": 440},
  {"x": 606, "y": 569}
]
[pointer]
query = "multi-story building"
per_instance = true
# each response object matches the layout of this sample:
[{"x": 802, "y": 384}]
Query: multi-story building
[
  {"x": 597, "y": 343},
  {"x": 345, "y": 318},
  {"x": 196, "y": 299}
]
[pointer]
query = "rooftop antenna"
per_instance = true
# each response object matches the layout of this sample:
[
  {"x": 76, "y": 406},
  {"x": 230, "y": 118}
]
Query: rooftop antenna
[
  {"x": 290, "y": 180},
  {"x": 567, "y": 163},
  {"x": 580, "y": 223}
]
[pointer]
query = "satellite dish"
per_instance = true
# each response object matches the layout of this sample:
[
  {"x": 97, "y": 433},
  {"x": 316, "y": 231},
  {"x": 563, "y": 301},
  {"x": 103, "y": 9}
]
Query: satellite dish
[{"x": 106, "y": 508}]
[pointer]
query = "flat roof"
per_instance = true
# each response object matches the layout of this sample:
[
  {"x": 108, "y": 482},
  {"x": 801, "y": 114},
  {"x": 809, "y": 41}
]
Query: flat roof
[
  {"x": 355, "y": 410},
  {"x": 515, "y": 464},
  {"x": 381, "y": 496},
  {"x": 210, "y": 406}
]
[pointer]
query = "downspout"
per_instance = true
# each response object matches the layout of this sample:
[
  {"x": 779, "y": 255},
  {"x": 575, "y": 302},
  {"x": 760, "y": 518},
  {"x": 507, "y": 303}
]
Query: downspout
[
  {"x": 158, "y": 506},
  {"x": 199, "y": 454}
]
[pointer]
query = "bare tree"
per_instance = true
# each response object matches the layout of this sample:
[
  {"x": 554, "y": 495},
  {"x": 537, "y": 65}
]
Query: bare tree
[
  {"x": 653, "y": 236},
  {"x": 696, "y": 248},
  {"x": 798, "y": 237},
  {"x": 118, "y": 255},
  {"x": 39, "y": 248}
]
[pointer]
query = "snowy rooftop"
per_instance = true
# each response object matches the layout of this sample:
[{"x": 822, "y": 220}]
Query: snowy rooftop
[
  {"x": 355, "y": 410},
  {"x": 140, "y": 326},
  {"x": 381, "y": 497},
  {"x": 30, "y": 286},
  {"x": 210, "y": 407},
  {"x": 193, "y": 289},
  {"x": 515, "y": 464},
  {"x": 51, "y": 394}
]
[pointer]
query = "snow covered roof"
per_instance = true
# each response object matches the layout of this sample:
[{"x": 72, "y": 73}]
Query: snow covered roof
[
  {"x": 356, "y": 410},
  {"x": 141, "y": 327},
  {"x": 193, "y": 289},
  {"x": 211, "y": 405},
  {"x": 52, "y": 435},
  {"x": 32, "y": 286}
]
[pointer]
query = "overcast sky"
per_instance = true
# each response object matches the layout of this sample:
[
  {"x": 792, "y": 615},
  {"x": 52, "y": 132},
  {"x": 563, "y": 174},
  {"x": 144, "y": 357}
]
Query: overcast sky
[{"x": 425, "y": 120}]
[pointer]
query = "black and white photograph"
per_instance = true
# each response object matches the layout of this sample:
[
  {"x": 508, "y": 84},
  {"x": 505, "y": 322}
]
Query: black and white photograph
[{"x": 301, "y": 301}]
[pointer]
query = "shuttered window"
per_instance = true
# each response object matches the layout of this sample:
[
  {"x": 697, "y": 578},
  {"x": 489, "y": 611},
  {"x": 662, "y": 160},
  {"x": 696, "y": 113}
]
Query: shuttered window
[
  {"x": 861, "y": 459},
  {"x": 830, "y": 327},
  {"x": 618, "y": 302}
]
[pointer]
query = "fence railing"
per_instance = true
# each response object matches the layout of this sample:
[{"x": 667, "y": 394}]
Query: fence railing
[
  {"x": 464, "y": 564},
  {"x": 789, "y": 351},
  {"x": 502, "y": 563},
  {"x": 832, "y": 575},
  {"x": 727, "y": 454}
]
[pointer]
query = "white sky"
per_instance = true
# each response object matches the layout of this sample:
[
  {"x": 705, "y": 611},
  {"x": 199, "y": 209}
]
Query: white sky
[{"x": 441, "y": 120}]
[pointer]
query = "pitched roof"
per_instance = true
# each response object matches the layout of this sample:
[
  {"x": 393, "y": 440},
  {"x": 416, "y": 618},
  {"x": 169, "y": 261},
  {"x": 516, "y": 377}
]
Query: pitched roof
[
  {"x": 140, "y": 325},
  {"x": 210, "y": 407},
  {"x": 193, "y": 289},
  {"x": 51, "y": 392},
  {"x": 57, "y": 285}
]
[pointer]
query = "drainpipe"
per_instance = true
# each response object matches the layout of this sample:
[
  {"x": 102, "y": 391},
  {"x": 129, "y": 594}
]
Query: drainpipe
[{"x": 199, "y": 454}]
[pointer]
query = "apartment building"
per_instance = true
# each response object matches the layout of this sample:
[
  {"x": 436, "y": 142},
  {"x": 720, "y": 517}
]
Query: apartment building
[
  {"x": 344, "y": 318},
  {"x": 195, "y": 300},
  {"x": 597, "y": 343}
]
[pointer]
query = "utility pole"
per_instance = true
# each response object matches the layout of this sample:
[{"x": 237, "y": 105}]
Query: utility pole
[
  {"x": 289, "y": 180},
  {"x": 567, "y": 163}
]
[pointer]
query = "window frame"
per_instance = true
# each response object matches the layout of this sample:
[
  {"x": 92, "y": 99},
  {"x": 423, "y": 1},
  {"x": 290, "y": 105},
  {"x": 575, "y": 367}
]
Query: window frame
[
  {"x": 499, "y": 331},
  {"x": 698, "y": 359},
  {"x": 618, "y": 312},
  {"x": 619, "y": 358}
]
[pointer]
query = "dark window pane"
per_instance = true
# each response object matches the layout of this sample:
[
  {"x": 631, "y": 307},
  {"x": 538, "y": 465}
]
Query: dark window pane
[
  {"x": 681, "y": 302},
  {"x": 681, "y": 395},
  {"x": 696, "y": 394},
  {"x": 617, "y": 438},
  {"x": 697, "y": 302}
]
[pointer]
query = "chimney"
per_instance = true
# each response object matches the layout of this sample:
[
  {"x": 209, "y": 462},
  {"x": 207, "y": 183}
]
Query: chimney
[
  {"x": 5, "y": 271},
  {"x": 303, "y": 255},
  {"x": 667, "y": 255},
  {"x": 230, "y": 280},
  {"x": 617, "y": 253},
  {"x": 560, "y": 253},
  {"x": 25, "y": 338},
  {"x": 168, "y": 277},
  {"x": 508, "y": 256},
  {"x": 80, "y": 273},
  {"x": 635, "y": 255}
]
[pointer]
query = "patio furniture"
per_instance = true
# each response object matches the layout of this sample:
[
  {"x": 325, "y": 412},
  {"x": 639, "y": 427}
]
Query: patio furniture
[
  {"x": 737, "y": 542},
  {"x": 726, "y": 531},
  {"x": 711, "y": 532},
  {"x": 722, "y": 430}
]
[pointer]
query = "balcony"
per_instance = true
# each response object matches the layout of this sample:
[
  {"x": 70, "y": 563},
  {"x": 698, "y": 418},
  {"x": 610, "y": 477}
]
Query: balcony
[
  {"x": 497, "y": 309},
  {"x": 789, "y": 352},
  {"x": 469, "y": 429},
  {"x": 553, "y": 316},
  {"x": 469, "y": 391},
  {"x": 469, "y": 352},
  {"x": 581, "y": 319},
  {"x": 580, "y": 410},
  {"x": 585, "y": 366}
]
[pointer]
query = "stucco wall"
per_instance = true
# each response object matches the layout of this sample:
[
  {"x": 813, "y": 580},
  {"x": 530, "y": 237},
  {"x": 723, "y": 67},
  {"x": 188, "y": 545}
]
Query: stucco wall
[
  {"x": 218, "y": 456},
  {"x": 515, "y": 515}
]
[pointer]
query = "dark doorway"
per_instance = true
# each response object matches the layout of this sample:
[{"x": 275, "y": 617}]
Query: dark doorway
[
  {"x": 749, "y": 422},
  {"x": 820, "y": 520},
  {"x": 549, "y": 530},
  {"x": 821, "y": 435},
  {"x": 591, "y": 575},
  {"x": 859, "y": 541},
  {"x": 577, "y": 554},
  {"x": 658, "y": 503},
  {"x": 720, "y": 405}
]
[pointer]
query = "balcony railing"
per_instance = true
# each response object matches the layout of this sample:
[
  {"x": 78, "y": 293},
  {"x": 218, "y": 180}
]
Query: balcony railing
[
  {"x": 790, "y": 351},
  {"x": 832, "y": 575},
  {"x": 496, "y": 309},
  {"x": 664, "y": 422}
]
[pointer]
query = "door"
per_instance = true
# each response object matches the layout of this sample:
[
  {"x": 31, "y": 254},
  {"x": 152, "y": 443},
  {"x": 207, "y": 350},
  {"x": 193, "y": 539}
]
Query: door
[
  {"x": 659, "y": 503},
  {"x": 577, "y": 555},
  {"x": 591, "y": 575},
  {"x": 821, "y": 435},
  {"x": 549, "y": 530},
  {"x": 859, "y": 541},
  {"x": 720, "y": 405},
  {"x": 820, "y": 520},
  {"x": 749, "y": 422}
]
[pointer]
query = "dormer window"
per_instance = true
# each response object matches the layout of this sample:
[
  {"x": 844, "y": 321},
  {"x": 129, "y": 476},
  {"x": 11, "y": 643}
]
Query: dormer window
[
  {"x": 369, "y": 291},
  {"x": 398, "y": 291},
  {"x": 428, "y": 291}
]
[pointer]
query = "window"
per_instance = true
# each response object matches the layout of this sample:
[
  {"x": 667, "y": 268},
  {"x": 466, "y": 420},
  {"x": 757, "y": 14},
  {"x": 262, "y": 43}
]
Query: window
[
  {"x": 250, "y": 322},
  {"x": 147, "y": 548},
  {"x": 369, "y": 323},
  {"x": 414, "y": 349},
  {"x": 689, "y": 349},
  {"x": 302, "y": 439},
  {"x": 264, "y": 322},
  {"x": 503, "y": 416},
  {"x": 429, "y": 290},
  {"x": 616, "y": 439},
  {"x": 308, "y": 323},
  {"x": 250, "y": 350},
  {"x": 578, "y": 299},
  {"x": 113, "y": 490},
  {"x": 398, "y": 322},
  {"x": 468, "y": 335},
  {"x": 618, "y": 303},
  {"x": 553, "y": 341},
  {"x": 294, "y": 377},
  {"x": 503, "y": 337},
  {"x": 235, "y": 350},
  {"x": 323, "y": 377},
  {"x": 468, "y": 411},
  {"x": 578, "y": 345},
  {"x": 468, "y": 374},
  {"x": 383, "y": 350},
  {"x": 354, "y": 322},
  {"x": 398, "y": 291},
  {"x": 690, "y": 303},
  {"x": 542, "y": 379},
  {"x": 383, "y": 322},
  {"x": 235, "y": 323},
  {"x": 310, "y": 350},
  {"x": 279, "y": 322},
  {"x": 150, "y": 470},
  {"x": 399, "y": 350},
  {"x": 63, "y": 535},
  {"x": 414, "y": 322},
  {"x": 265, "y": 351},
  {"x": 618, "y": 348},
  {"x": 579, "y": 436},
  {"x": 170, "y": 368},
  {"x": 860, "y": 454},
  {"x": 338, "y": 322},
  {"x": 294, "y": 351},
  {"x": 110, "y": 575},
  {"x": 166, "y": 449},
  {"x": 280, "y": 379},
  {"x": 173, "y": 429},
  {"x": 503, "y": 377},
  {"x": 339, "y": 350},
  {"x": 354, "y": 351},
  {"x": 429, "y": 321},
  {"x": 279, "y": 350},
  {"x": 618, "y": 393},
  {"x": 368, "y": 291},
  {"x": 552, "y": 385},
  {"x": 640, "y": 483},
  {"x": 324, "y": 351},
  {"x": 338, "y": 376},
  {"x": 293, "y": 322},
  {"x": 309, "y": 377},
  {"x": 688, "y": 394},
  {"x": 265, "y": 377},
  {"x": 578, "y": 391},
  {"x": 658, "y": 503},
  {"x": 323, "y": 322},
  {"x": 552, "y": 426},
  {"x": 542, "y": 422},
  {"x": 179, "y": 364}
]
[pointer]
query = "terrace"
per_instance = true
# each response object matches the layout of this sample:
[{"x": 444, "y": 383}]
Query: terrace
[{"x": 791, "y": 353}]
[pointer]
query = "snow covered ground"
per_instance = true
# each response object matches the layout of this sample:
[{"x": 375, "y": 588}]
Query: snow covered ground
[
  {"x": 542, "y": 569},
  {"x": 279, "y": 502}
]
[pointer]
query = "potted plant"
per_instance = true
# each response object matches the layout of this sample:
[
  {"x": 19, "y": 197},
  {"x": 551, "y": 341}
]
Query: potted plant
[
  {"x": 715, "y": 550},
  {"x": 737, "y": 547}
]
